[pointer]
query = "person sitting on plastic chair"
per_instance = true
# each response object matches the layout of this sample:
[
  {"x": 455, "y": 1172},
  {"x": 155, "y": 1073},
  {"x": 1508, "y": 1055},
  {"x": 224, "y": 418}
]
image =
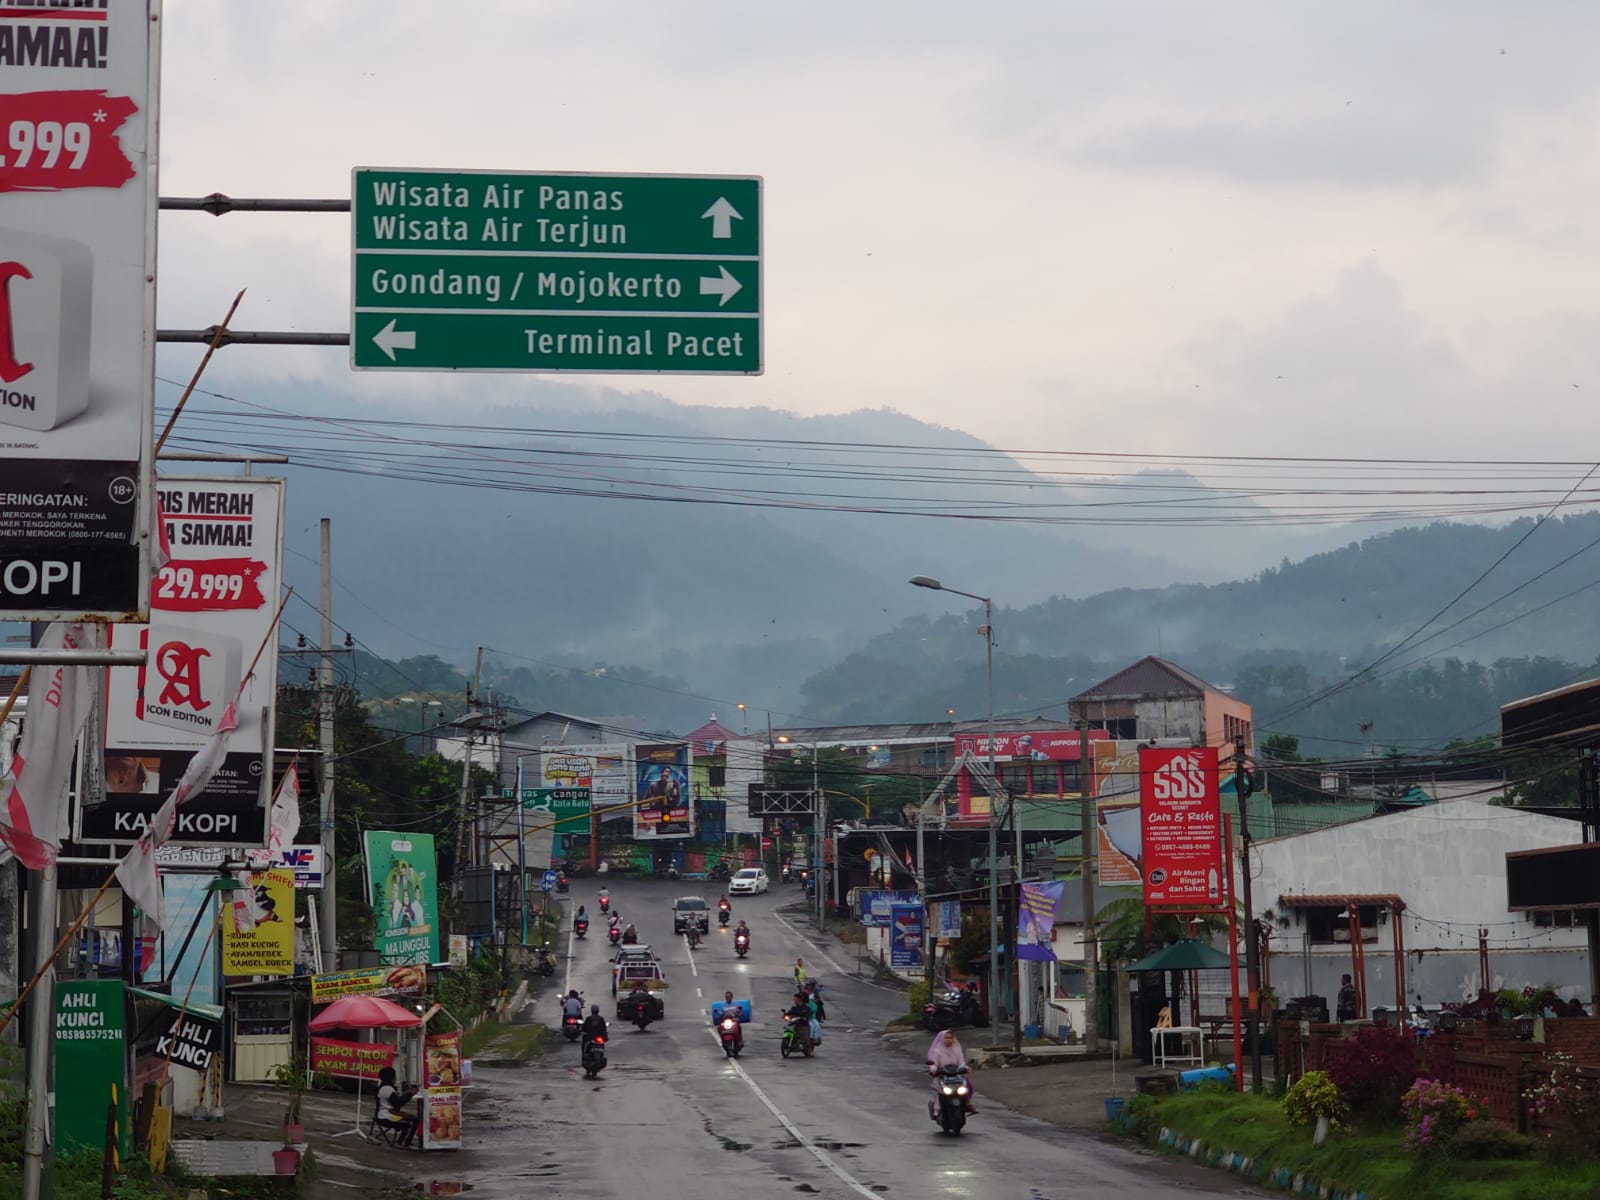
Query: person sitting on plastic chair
[{"x": 391, "y": 1121}]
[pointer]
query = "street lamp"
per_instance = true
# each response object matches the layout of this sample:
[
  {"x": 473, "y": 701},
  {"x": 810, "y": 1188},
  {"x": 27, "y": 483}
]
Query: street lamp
[{"x": 924, "y": 581}]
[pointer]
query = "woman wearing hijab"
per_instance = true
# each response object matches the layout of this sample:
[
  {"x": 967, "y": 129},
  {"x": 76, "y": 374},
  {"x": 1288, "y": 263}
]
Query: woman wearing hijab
[{"x": 946, "y": 1051}]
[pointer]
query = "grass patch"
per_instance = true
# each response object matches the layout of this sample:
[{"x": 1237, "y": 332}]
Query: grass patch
[
  {"x": 1374, "y": 1161},
  {"x": 523, "y": 1043}
]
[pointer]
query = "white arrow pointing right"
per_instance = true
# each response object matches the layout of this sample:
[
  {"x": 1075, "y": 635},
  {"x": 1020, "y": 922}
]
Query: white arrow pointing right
[
  {"x": 389, "y": 339},
  {"x": 724, "y": 285}
]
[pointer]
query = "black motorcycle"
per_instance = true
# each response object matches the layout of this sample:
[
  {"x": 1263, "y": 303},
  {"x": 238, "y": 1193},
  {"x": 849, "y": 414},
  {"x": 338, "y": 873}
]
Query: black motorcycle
[
  {"x": 693, "y": 934},
  {"x": 641, "y": 1011},
  {"x": 594, "y": 1055},
  {"x": 946, "y": 1010},
  {"x": 629, "y": 937},
  {"x": 615, "y": 934},
  {"x": 580, "y": 927},
  {"x": 722, "y": 916},
  {"x": 561, "y": 883},
  {"x": 950, "y": 1106},
  {"x": 571, "y": 1027},
  {"x": 547, "y": 963},
  {"x": 741, "y": 944}
]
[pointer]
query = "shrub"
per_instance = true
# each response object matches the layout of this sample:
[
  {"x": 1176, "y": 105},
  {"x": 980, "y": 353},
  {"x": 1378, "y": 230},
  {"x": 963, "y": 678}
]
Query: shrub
[
  {"x": 1487, "y": 1139},
  {"x": 1564, "y": 1107},
  {"x": 1435, "y": 1113},
  {"x": 1376, "y": 1068},
  {"x": 916, "y": 998},
  {"x": 1315, "y": 1095},
  {"x": 1141, "y": 1116}
]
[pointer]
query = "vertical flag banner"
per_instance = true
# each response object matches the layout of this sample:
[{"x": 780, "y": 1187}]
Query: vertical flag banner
[
  {"x": 1181, "y": 811},
  {"x": 403, "y": 883},
  {"x": 91, "y": 1067},
  {"x": 664, "y": 808},
  {"x": 77, "y": 307},
  {"x": 33, "y": 817},
  {"x": 266, "y": 947},
  {"x": 1037, "y": 921},
  {"x": 211, "y": 606},
  {"x": 906, "y": 931}
]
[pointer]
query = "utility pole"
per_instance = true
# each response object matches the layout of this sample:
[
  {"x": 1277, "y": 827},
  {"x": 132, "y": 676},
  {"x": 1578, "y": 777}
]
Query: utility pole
[
  {"x": 329, "y": 933},
  {"x": 820, "y": 804},
  {"x": 1087, "y": 829},
  {"x": 994, "y": 829},
  {"x": 467, "y": 845},
  {"x": 1243, "y": 786}
]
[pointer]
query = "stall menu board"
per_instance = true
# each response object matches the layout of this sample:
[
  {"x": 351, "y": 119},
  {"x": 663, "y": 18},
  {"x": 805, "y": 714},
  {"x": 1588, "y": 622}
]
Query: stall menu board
[{"x": 350, "y": 1060}]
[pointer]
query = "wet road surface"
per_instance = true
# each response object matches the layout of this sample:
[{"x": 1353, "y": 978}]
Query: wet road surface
[{"x": 671, "y": 1116}]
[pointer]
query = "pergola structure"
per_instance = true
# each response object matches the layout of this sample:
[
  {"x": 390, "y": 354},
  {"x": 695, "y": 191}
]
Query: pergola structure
[{"x": 1352, "y": 904}]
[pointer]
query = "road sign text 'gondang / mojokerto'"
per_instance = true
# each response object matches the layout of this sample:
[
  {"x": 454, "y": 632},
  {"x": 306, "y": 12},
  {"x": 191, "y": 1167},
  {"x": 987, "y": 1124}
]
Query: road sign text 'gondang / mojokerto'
[{"x": 508, "y": 271}]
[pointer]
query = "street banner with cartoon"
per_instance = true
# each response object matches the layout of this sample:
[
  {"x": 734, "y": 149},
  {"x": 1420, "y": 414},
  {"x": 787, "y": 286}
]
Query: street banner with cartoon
[{"x": 402, "y": 880}]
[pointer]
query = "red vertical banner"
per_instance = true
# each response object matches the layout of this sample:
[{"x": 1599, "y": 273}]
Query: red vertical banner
[{"x": 1181, "y": 814}]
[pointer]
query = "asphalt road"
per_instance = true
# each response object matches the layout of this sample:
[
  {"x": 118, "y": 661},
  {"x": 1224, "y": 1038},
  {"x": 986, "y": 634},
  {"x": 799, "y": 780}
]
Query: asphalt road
[{"x": 671, "y": 1116}]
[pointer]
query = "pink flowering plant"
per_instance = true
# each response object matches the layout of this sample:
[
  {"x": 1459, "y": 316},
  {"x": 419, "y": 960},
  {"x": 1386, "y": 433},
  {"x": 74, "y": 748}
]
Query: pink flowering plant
[{"x": 1435, "y": 1112}]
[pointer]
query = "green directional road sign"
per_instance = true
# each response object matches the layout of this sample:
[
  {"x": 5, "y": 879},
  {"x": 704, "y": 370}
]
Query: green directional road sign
[{"x": 508, "y": 271}]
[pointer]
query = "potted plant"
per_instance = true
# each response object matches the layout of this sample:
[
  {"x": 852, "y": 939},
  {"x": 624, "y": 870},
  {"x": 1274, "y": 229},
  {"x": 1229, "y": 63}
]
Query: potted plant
[{"x": 292, "y": 1075}]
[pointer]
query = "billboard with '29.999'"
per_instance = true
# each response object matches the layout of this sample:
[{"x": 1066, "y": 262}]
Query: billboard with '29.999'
[
  {"x": 212, "y": 607},
  {"x": 77, "y": 306}
]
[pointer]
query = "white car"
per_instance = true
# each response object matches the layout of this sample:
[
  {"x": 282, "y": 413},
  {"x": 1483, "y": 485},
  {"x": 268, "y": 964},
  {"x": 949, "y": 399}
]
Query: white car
[{"x": 751, "y": 880}]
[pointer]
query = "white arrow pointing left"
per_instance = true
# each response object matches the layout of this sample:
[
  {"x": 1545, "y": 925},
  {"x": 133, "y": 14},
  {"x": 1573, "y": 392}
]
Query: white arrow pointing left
[
  {"x": 389, "y": 339},
  {"x": 724, "y": 285}
]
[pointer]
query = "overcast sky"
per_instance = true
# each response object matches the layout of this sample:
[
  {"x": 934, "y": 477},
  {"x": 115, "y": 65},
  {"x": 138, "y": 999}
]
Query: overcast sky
[{"x": 1243, "y": 227}]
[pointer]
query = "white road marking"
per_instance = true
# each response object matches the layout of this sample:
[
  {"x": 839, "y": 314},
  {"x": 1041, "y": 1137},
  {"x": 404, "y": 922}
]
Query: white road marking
[
  {"x": 689, "y": 950},
  {"x": 817, "y": 1152},
  {"x": 699, "y": 995}
]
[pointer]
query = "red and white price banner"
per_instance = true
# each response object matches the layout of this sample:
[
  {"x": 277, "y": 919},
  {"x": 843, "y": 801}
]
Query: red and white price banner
[
  {"x": 209, "y": 585},
  {"x": 53, "y": 141}
]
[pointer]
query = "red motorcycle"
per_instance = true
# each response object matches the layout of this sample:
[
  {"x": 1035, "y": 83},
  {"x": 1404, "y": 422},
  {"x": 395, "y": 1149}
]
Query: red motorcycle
[{"x": 732, "y": 1035}]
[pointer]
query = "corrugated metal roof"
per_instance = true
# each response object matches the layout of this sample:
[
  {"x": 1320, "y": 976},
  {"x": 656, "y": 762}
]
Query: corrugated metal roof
[{"x": 1150, "y": 676}]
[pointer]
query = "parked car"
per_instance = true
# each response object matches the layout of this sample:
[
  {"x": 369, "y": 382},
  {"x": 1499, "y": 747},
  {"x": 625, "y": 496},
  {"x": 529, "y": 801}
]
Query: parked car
[
  {"x": 751, "y": 880},
  {"x": 687, "y": 910}
]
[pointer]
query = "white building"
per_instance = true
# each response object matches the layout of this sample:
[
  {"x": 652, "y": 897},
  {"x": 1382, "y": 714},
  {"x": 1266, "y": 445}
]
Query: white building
[{"x": 1442, "y": 868}]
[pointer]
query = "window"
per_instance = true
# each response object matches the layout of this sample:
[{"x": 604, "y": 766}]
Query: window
[
  {"x": 1564, "y": 919},
  {"x": 717, "y": 776},
  {"x": 1015, "y": 780},
  {"x": 1325, "y": 927},
  {"x": 938, "y": 757},
  {"x": 1046, "y": 779},
  {"x": 1070, "y": 982}
]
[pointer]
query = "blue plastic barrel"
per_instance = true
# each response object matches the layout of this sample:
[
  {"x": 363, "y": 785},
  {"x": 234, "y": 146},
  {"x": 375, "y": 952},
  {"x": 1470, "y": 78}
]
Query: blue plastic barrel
[{"x": 1189, "y": 1079}]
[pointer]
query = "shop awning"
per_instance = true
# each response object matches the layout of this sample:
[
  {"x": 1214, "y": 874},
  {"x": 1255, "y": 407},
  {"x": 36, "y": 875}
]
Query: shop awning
[{"x": 210, "y": 1011}]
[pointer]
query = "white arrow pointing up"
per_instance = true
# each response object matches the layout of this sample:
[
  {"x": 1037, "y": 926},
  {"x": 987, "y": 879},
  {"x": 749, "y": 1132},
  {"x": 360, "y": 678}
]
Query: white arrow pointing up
[
  {"x": 724, "y": 285},
  {"x": 722, "y": 216},
  {"x": 389, "y": 339}
]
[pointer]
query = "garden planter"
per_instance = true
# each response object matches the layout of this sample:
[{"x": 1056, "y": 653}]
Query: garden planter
[
  {"x": 286, "y": 1161},
  {"x": 294, "y": 1135}
]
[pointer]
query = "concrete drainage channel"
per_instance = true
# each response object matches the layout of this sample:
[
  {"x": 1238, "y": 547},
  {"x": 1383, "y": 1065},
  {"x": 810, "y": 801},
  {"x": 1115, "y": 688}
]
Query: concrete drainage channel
[{"x": 1282, "y": 1178}]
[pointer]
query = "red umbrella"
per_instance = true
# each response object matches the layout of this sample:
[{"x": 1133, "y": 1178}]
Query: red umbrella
[{"x": 364, "y": 1012}]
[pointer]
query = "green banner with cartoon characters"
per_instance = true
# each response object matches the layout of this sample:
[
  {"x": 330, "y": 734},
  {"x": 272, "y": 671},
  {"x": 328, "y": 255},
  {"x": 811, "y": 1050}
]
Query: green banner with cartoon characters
[{"x": 402, "y": 880}]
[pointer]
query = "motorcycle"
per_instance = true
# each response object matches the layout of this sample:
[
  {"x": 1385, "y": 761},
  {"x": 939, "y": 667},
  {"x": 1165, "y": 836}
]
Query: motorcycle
[
  {"x": 795, "y": 1038},
  {"x": 728, "y": 1030},
  {"x": 722, "y": 916},
  {"x": 615, "y": 934},
  {"x": 561, "y": 883},
  {"x": 605, "y": 904},
  {"x": 594, "y": 1055},
  {"x": 722, "y": 870},
  {"x": 630, "y": 937},
  {"x": 950, "y": 1107},
  {"x": 547, "y": 963},
  {"x": 580, "y": 927},
  {"x": 741, "y": 944},
  {"x": 786, "y": 873},
  {"x": 571, "y": 1027},
  {"x": 693, "y": 934},
  {"x": 948, "y": 1009}
]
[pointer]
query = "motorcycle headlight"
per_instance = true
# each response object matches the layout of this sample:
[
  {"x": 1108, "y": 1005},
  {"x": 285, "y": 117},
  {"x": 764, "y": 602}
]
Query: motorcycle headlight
[
  {"x": 962, "y": 1090},
  {"x": 948, "y": 1090}
]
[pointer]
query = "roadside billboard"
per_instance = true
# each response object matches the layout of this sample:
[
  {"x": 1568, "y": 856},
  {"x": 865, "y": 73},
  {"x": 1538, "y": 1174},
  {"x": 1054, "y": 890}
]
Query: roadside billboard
[
  {"x": 608, "y": 770},
  {"x": 907, "y": 925},
  {"x": 1042, "y": 748},
  {"x": 211, "y": 608},
  {"x": 78, "y": 206},
  {"x": 1181, "y": 846},
  {"x": 91, "y": 1070},
  {"x": 402, "y": 880},
  {"x": 662, "y": 805},
  {"x": 268, "y": 948}
]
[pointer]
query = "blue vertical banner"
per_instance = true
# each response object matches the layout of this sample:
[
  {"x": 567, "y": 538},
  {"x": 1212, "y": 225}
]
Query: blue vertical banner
[
  {"x": 948, "y": 923},
  {"x": 1037, "y": 921},
  {"x": 906, "y": 936},
  {"x": 186, "y": 896}
]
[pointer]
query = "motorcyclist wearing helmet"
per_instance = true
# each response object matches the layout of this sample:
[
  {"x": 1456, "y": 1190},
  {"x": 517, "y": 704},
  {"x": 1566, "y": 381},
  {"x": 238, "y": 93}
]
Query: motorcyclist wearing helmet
[
  {"x": 572, "y": 1004},
  {"x": 594, "y": 1025}
]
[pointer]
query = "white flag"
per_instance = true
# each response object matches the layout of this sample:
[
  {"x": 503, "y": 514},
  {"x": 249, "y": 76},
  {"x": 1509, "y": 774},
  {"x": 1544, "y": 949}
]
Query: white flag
[
  {"x": 33, "y": 819},
  {"x": 137, "y": 872}
]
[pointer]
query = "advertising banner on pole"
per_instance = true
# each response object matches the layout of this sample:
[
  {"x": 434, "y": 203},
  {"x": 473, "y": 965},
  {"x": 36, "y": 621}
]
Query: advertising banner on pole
[
  {"x": 1181, "y": 847},
  {"x": 211, "y": 607},
  {"x": 78, "y": 205},
  {"x": 664, "y": 808},
  {"x": 402, "y": 880},
  {"x": 190, "y": 1040},
  {"x": 877, "y": 905},
  {"x": 410, "y": 980},
  {"x": 906, "y": 932},
  {"x": 268, "y": 948},
  {"x": 91, "y": 1067},
  {"x": 1037, "y": 921},
  {"x": 947, "y": 919}
]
